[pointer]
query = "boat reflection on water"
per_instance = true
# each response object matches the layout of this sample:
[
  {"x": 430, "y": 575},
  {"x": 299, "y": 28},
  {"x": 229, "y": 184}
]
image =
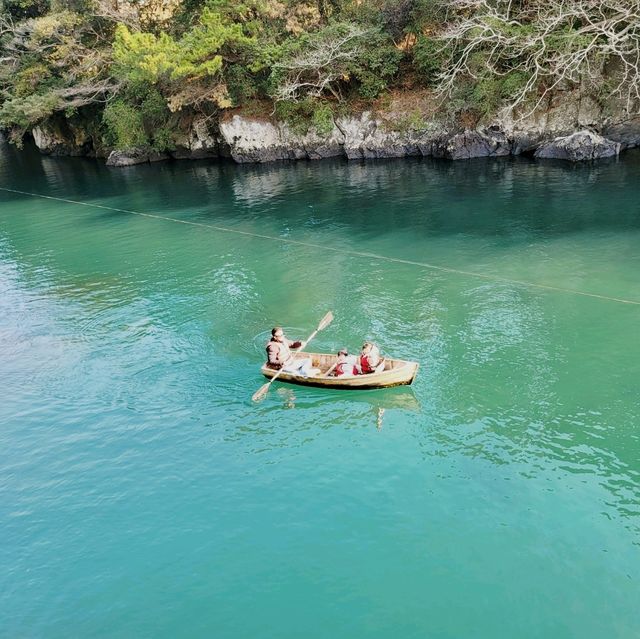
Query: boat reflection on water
[{"x": 398, "y": 398}]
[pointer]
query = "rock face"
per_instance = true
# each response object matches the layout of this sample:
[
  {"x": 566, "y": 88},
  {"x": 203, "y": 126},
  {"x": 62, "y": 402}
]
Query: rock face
[
  {"x": 135, "y": 156},
  {"x": 569, "y": 126},
  {"x": 583, "y": 145},
  {"x": 627, "y": 132},
  {"x": 199, "y": 141},
  {"x": 473, "y": 144},
  {"x": 354, "y": 137},
  {"x": 61, "y": 137},
  {"x": 248, "y": 140}
]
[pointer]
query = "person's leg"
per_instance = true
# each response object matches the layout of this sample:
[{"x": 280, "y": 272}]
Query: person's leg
[{"x": 304, "y": 366}]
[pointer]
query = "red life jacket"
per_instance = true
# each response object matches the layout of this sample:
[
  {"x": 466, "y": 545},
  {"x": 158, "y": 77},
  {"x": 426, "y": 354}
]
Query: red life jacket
[
  {"x": 365, "y": 365},
  {"x": 343, "y": 369}
]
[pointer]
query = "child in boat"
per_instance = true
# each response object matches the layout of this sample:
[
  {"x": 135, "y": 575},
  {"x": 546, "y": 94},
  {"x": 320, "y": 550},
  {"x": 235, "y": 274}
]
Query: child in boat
[
  {"x": 369, "y": 360},
  {"x": 345, "y": 366}
]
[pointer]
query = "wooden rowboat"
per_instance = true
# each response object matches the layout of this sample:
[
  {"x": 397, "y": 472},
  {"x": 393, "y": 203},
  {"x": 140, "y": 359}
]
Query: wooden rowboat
[{"x": 396, "y": 373}]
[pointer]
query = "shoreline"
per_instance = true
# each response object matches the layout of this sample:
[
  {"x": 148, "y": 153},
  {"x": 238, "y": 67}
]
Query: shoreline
[{"x": 563, "y": 133}]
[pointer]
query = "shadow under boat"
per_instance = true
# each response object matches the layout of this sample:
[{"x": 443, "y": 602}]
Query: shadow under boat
[{"x": 395, "y": 398}]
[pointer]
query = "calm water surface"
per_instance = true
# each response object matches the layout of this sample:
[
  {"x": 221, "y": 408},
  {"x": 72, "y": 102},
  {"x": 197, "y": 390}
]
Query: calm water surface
[{"x": 143, "y": 495}]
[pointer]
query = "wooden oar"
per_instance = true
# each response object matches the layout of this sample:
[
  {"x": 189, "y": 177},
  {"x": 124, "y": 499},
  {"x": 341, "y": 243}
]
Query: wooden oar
[
  {"x": 263, "y": 390},
  {"x": 330, "y": 370}
]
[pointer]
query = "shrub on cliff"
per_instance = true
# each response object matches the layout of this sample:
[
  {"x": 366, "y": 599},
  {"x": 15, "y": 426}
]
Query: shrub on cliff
[
  {"x": 325, "y": 62},
  {"x": 23, "y": 9}
]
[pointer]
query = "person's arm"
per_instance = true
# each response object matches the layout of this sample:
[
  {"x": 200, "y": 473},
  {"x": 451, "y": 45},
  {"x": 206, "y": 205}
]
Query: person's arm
[{"x": 297, "y": 344}]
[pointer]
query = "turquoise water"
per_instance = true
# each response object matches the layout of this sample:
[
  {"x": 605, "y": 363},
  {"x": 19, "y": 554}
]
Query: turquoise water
[{"x": 144, "y": 495}]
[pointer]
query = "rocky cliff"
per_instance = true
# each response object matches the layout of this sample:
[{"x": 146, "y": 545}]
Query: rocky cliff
[{"x": 569, "y": 127}]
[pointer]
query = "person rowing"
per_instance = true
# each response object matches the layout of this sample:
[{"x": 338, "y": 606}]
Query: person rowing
[{"x": 279, "y": 355}]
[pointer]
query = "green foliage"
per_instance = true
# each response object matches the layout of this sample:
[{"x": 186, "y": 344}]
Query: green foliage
[
  {"x": 296, "y": 114},
  {"x": 427, "y": 14},
  {"x": 313, "y": 57},
  {"x": 51, "y": 65},
  {"x": 145, "y": 57},
  {"x": 328, "y": 61},
  {"x": 410, "y": 122},
  {"x": 241, "y": 83},
  {"x": 29, "y": 79},
  {"x": 124, "y": 125},
  {"x": 24, "y": 9},
  {"x": 376, "y": 65},
  {"x": 322, "y": 118},
  {"x": 429, "y": 57},
  {"x": 513, "y": 82},
  {"x": 139, "y": 118},
  {"x": 200, "y": 47},
  {"x": 83, "y": 7},
  {"x": 27, "y": 111},
  {"x": 300, "y": 116},
  {"x": 485, "y": 95}
]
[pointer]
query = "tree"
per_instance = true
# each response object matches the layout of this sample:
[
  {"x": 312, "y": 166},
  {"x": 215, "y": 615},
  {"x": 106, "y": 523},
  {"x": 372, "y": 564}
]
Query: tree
[
  {"x": 315, "y": 63},
  {"x": 542, "y": 45},
  {"x": 53, "y": 63}
]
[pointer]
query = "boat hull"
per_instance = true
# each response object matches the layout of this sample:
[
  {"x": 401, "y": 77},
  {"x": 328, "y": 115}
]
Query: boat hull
[{"x": 397, "y": 372}]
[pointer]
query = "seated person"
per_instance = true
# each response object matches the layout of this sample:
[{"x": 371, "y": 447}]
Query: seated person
[
  {"x": 345, "y": 366},
  {"x": 369, "y": 360},
  {"x": 279, "y": 355}
]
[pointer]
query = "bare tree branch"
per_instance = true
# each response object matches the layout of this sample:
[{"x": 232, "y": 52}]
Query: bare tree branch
[
  {"x": 551, "y": 43},
  {"x": 317, "y": 69}
]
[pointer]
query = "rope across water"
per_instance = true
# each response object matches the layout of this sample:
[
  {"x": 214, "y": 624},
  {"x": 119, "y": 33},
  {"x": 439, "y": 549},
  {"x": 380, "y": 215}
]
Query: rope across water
[{"x": 364, "y": 254}]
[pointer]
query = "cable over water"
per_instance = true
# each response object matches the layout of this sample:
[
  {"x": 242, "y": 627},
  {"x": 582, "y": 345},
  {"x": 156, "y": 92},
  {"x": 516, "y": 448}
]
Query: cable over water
[{"x": 363, "y": 254}]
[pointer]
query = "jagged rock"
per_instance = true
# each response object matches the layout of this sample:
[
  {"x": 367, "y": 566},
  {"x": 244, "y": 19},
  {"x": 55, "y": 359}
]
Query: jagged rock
[
  {"x": 62, "y": 138},
  {"x": 627, "y": 133},
  {"x": 366, "y": 138},
  {"x": 525, "y": 142},
  {"x": 310, "y": 145},
  {"x": 583, "y": 145},
  {"x": 135, "y": 156},
  {"x": 355, "y": 132},
  {"x": 563, "y": 114},
  {"x": 472, "y": 144},
  {"x": 252, "y": 140},
  {"x": 589, "y": 113},
  {"x": 263, "y": 141},
  {"x": 198, "y": 142}
]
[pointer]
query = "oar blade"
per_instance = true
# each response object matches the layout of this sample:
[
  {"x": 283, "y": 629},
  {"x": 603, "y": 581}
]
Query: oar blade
[
  {"x": 261, "y": 393},
  {"x": 325, "y": 321}
]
